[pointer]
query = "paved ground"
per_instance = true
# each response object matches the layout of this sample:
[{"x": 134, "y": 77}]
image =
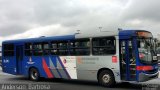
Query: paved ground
[
  {"x": 7, "y": 79},
  {"x": 67, "y": 84}
]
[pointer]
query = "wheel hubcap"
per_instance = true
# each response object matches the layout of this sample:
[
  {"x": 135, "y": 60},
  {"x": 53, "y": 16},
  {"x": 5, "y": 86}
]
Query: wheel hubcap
[
  {"x": 106, "y": 78},
  {"x": 34, "y": 75}
]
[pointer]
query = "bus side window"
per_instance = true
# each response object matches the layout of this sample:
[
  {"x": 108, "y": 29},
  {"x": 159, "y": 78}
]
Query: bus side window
[
  {"x": 37, "y": 49},
  {"x": 123, "y": 58},
  {"x": 103, "y": 46},
  {"x": 8, "y": 49},
  {"x": 71, "y": 45},
  {"x": 131, "y": 53},
  {"x": 28, "y": 49},
  {"x": 63, "y": 48},
  {"x": 54, "y": 46},
  {"x": 45, "y": 47},
  {"x": 80, "y": 47}
]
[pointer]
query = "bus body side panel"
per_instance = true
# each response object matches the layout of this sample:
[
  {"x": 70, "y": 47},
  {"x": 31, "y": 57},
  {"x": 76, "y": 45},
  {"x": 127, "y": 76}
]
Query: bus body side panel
[
  {"x": 34, "y": 62},
  {"x": 69, "y": 65},
  {"x": 52, "y": 66},
  {"x": 8, "y": 63},
  {"x": 88, "y": 66},
  {"x": 88, "y": 70}
]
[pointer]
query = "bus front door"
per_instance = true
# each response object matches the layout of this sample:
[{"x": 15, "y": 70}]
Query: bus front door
[
  {"x": 127, "y": 60},
  {"x": 19, "y": 58}
]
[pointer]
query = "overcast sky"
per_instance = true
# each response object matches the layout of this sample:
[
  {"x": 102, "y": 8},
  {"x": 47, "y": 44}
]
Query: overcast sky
[{"x": 35, "y": 18}]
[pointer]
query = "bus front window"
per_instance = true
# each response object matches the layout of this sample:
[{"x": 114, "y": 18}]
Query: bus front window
[{"x": 146, "y": 50}]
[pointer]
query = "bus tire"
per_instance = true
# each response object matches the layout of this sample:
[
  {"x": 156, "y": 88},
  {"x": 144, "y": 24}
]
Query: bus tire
[
  {"x": 34, "y": 74},
  {"x": 106, "y": 78}
]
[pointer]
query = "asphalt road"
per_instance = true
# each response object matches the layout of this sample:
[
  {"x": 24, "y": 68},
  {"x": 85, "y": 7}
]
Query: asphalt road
[{"x": 61, "y": 84}]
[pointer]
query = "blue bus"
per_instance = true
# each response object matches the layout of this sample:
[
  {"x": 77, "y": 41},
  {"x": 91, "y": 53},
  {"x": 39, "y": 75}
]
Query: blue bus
[{"x": 106, "y": 57}]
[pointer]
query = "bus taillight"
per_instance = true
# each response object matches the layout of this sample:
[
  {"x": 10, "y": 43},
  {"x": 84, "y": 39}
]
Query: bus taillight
[
  {"x": 114, "y": 59},
  {"x": 144, "y": 68}
]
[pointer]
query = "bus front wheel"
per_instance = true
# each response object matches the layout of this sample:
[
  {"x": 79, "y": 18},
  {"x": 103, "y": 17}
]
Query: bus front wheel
[
  {"x": 106, "y": 78},
  {"x": 34, "y": 74}
]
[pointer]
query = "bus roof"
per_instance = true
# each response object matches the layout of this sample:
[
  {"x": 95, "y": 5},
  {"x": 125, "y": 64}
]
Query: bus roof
[
  {"x": 123, "y": 34},
  {"x": 97, "y": 34},
  {"x": 41, "y": 39}
]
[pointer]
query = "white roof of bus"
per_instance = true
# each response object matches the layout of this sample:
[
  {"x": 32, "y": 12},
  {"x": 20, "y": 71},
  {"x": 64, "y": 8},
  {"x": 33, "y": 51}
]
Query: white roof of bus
[{"x": 96, "y": 34}]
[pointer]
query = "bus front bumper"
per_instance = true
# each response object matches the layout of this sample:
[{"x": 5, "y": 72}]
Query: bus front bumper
[{"x": 145, "y": 77}]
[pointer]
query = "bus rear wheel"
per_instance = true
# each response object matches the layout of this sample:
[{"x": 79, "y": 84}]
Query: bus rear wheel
[
  {"x": 106, "y": 78},
  {"x": 34, "y": 74}
]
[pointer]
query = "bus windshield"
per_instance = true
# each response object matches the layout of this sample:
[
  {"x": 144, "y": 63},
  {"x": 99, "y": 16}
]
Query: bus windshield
[{"x": 147, "y": 53}]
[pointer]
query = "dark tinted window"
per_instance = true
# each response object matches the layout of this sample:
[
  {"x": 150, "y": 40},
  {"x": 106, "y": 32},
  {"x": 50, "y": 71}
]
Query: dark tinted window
[
  {"x": 54, "y": 48},
  {"x": 59, "y": 48},
  {"x": 28, "y": 49},
  {"x": 37, "y": 49},
  {"x": 46, "y": 49},
  {"x": 80, "y": 47},
  {"x": 63, "y": 48},
  {"x": 8, "y": 49},
  {"x": 104, "y": 46}
]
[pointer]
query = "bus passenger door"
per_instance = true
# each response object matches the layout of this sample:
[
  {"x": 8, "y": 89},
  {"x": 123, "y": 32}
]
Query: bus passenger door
[
  {"x": 19, "y": 58},
  {"x": 127, "y": 60}
]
